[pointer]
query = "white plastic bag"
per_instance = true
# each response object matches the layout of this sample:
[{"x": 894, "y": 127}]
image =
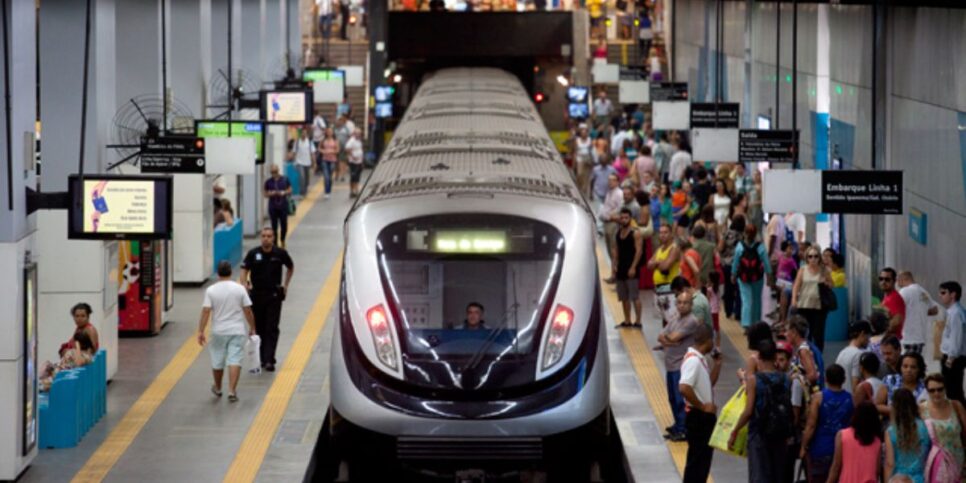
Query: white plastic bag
[{"x": 253, "y": 354}]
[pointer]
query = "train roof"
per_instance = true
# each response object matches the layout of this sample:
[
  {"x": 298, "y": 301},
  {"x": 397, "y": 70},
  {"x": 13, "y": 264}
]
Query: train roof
[{"x": 471, "y": 130}]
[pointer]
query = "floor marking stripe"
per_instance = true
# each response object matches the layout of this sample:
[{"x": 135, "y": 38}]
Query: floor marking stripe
[
  {"x": 249, "y": 457},
  {"x": 111, "y": 449},
  {"x": 650, "y": 377}
]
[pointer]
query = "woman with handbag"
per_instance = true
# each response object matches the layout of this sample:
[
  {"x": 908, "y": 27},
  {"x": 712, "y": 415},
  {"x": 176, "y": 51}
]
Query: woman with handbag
[{"x": 807, "y": 298}]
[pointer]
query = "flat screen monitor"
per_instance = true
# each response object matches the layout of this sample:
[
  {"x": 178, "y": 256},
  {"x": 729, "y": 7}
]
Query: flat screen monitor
[
  {"x": 763, "y": 122},
  {"x": 578, "y": 93},
  {"x": 328, "y": 85},
  {"x": 383, "y": 110},
  {"x": 243, "y": 129},
  {"x": 578, "y": 110},
  {"x": 384, "y": 93},
  {"x": 286, "y": 107},
  {"x": 109, "y": 207}
]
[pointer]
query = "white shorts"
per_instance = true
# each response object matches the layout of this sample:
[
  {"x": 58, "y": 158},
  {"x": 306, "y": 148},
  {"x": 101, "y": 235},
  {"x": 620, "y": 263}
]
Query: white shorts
[{"x": 226, "y": 350}]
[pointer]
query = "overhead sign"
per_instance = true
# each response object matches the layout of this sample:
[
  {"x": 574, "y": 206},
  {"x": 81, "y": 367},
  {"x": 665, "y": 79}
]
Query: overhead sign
[
  {"x": 328, "y": 85},
  {"x": 633, "y": 92},
  {"x": 670, "y": 114},
  {"x": 112, "y": 207},
  {"x": 711, "y": 115},
  {"x": 669, "y": 91},
  {"x": 234, "y": 155},
  {"x": 862, "y": 192},
  {"x": 833, "y": 191},
  {"x": 710, "y": 144},
  {"x": 173, "y": 154},
  {"x": 755, "y": 145}
]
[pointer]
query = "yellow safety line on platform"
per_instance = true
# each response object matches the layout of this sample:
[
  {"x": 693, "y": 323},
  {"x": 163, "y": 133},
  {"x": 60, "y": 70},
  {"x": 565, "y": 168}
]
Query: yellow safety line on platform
[
  {"x": 643, "y": 361},
  {"x": 110, "y": 451},
  {"x": 732, "y": 329},
  {"x": 260, "y": 434}
]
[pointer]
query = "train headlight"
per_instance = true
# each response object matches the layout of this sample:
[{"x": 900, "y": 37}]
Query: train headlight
[
  {"x": 560, "y": 324},
  {"x": 381, "y": 335}
]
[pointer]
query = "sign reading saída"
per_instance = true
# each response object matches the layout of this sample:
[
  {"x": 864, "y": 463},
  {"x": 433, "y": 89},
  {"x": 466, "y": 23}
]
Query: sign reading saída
[
  {"x": 862, "y": 192},
  {"x": 756, "y": 145},
  {"x": 173, "y": 154}
]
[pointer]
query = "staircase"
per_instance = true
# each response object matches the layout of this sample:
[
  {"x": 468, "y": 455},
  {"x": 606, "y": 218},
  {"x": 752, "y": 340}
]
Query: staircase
[{"x": 341, "y": 52}]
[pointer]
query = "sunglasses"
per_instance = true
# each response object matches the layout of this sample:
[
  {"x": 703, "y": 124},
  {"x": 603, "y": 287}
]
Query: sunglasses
[
  {"x": 812, "y": 256},
  {"x": 936, "y": 390},
  {"x": 885, "y": 279}
]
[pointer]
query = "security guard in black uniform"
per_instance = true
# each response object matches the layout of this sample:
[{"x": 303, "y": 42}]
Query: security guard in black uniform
[{"x": 261, "y": 272}]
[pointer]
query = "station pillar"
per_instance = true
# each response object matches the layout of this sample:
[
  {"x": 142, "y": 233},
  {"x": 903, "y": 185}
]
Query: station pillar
[{"x": 72, "y": 271}]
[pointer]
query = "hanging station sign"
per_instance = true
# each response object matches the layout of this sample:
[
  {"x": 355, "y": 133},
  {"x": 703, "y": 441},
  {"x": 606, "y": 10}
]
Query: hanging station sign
[
  {"x": 723, "y": 115},
  {"x": 862, "y": 192},
  {"x": 759, "y": 146},
  {"x": 173, "y": 154}
]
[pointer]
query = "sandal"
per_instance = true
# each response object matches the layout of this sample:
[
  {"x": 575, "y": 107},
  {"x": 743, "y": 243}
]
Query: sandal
[
  {"x": 623, "y": 324},
  {"x": 232, "y": 398},
  {"x": 215, "y": 391},
  {"x": 637, "y": 325}
]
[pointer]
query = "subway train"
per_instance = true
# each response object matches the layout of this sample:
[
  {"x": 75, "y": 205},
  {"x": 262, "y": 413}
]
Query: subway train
[{"x": 470, "y": 341}]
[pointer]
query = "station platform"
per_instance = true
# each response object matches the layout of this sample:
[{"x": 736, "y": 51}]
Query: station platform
[{"x": 163, "y": 424}]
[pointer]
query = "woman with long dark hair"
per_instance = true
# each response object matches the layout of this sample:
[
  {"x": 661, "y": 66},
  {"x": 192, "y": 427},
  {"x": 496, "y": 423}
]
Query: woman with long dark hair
[
  {"x": 907, "y": 440},
  {"x": 860, "y": 445}
]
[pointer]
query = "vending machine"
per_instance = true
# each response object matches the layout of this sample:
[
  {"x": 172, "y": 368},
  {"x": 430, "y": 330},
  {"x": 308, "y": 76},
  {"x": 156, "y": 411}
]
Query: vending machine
[{"x": 141, "y": 297}]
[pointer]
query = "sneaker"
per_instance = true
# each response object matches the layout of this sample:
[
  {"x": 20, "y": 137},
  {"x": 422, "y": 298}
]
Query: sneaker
[
  {"x": 270, "y": 367},
  {"x": 232, "y": 398},
  {"x": 674, "y": 437},
  {"x": 215, "y": 391},
  {"x": 327, "y": 196}
]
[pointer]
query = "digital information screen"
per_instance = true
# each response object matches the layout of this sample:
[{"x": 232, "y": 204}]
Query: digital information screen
[
  {"x": 384, "y": 93},
  {"x": 104, "y": 207},
  {"x": 578, "y": 93},
  {"x": 470, "y": 241},
  {"x": 383, "y": 110},
  {"x": 287, "y": 107},
  {"x": 247, "y": 129},
  {"x": 578, "y": 110}
]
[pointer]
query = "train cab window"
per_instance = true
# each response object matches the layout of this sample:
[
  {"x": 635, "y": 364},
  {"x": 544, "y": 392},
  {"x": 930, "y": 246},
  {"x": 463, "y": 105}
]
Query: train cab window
[{"x": 433, "y": 267}]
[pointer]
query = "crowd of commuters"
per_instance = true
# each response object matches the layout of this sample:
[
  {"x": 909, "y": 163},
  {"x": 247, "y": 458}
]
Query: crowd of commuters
[{"x": 696, "y": 234}]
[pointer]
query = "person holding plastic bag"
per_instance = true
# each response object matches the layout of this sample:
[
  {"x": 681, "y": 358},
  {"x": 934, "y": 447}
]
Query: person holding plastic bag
[
  {"x": 697, "y": 381},
  {"x": 768, "y": 414}
]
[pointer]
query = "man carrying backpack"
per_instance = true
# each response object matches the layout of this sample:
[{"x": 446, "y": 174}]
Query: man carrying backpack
[
  {"x": 748, "y": 269},
  {"x": 768, "y": 414}
]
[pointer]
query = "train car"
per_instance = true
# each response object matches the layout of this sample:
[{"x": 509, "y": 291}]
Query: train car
[{"x": 470, "y": 341}]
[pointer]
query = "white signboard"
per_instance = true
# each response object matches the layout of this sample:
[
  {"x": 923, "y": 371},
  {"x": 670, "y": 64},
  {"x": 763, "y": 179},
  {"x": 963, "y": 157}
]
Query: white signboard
[
  {"x": 605, "y": 73},
  {"x": 235, "y": 155},
  {"x": 671, "y": 115},
  {"x": 710, "y": 144},
  {"x": 634, "y": 92},
  {"x": 788, "y": 190},
  {"x": 354, "y": 75}
]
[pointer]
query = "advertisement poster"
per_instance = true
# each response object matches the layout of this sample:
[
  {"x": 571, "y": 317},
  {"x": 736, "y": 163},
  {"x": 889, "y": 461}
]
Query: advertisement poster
[
  {"x": 30, "y": 427},
  {"x": 133, "y": 314},
  {"x": 285, "y": 106},
  {"x": 119, "y": 206}
]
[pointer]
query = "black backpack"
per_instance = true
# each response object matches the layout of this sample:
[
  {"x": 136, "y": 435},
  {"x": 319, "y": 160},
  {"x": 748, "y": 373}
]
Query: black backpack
[
  {"x": 775, "y": 416},
  {"x": 750, "y": 267}
]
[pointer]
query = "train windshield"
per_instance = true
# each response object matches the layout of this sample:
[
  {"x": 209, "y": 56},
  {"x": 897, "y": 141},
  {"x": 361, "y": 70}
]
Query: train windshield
[{"x": 469, "y": 294}]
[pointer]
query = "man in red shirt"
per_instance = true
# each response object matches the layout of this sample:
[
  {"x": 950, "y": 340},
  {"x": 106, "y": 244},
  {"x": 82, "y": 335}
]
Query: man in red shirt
[{"x": 892, "y": 302}]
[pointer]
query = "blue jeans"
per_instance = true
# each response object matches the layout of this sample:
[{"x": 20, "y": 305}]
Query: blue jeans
[
  {"x": 327, "y": 169},
  {"x": 676, "y": 400},
  {"x": 750, "y": 302},
  {"x": 304, "y": 173},
  {"x": 325, "y": 25}
]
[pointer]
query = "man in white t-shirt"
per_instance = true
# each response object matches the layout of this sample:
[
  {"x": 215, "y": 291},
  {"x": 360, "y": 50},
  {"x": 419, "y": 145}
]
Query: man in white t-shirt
[
  {"x": 795, "y": 223},
  {"x": 919, "y": 308},
  {"x": 680, "y": 160},
  {"x": 303, "y": 152},
  {"x": 232, "y": 322},
  {"x": 859, "y": 335},
  {"x": 697, "y": 381}
]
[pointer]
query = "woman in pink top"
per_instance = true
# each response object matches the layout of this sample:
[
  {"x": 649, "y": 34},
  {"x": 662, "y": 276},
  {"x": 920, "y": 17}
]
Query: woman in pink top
[
  {"x": 860, "y": 445},
  {"x": 330, "y": 158}
]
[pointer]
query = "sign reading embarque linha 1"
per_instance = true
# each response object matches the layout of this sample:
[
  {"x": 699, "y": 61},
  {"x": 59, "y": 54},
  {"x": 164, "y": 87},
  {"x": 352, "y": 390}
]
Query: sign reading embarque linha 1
[{"x": 862, "y": 192}]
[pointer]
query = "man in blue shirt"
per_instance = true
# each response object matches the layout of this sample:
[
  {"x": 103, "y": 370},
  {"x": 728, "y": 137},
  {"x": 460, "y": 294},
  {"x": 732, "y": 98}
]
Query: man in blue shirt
[
  {"x": 953, "y": 344},
  {"x": 277, "y": 189}
]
